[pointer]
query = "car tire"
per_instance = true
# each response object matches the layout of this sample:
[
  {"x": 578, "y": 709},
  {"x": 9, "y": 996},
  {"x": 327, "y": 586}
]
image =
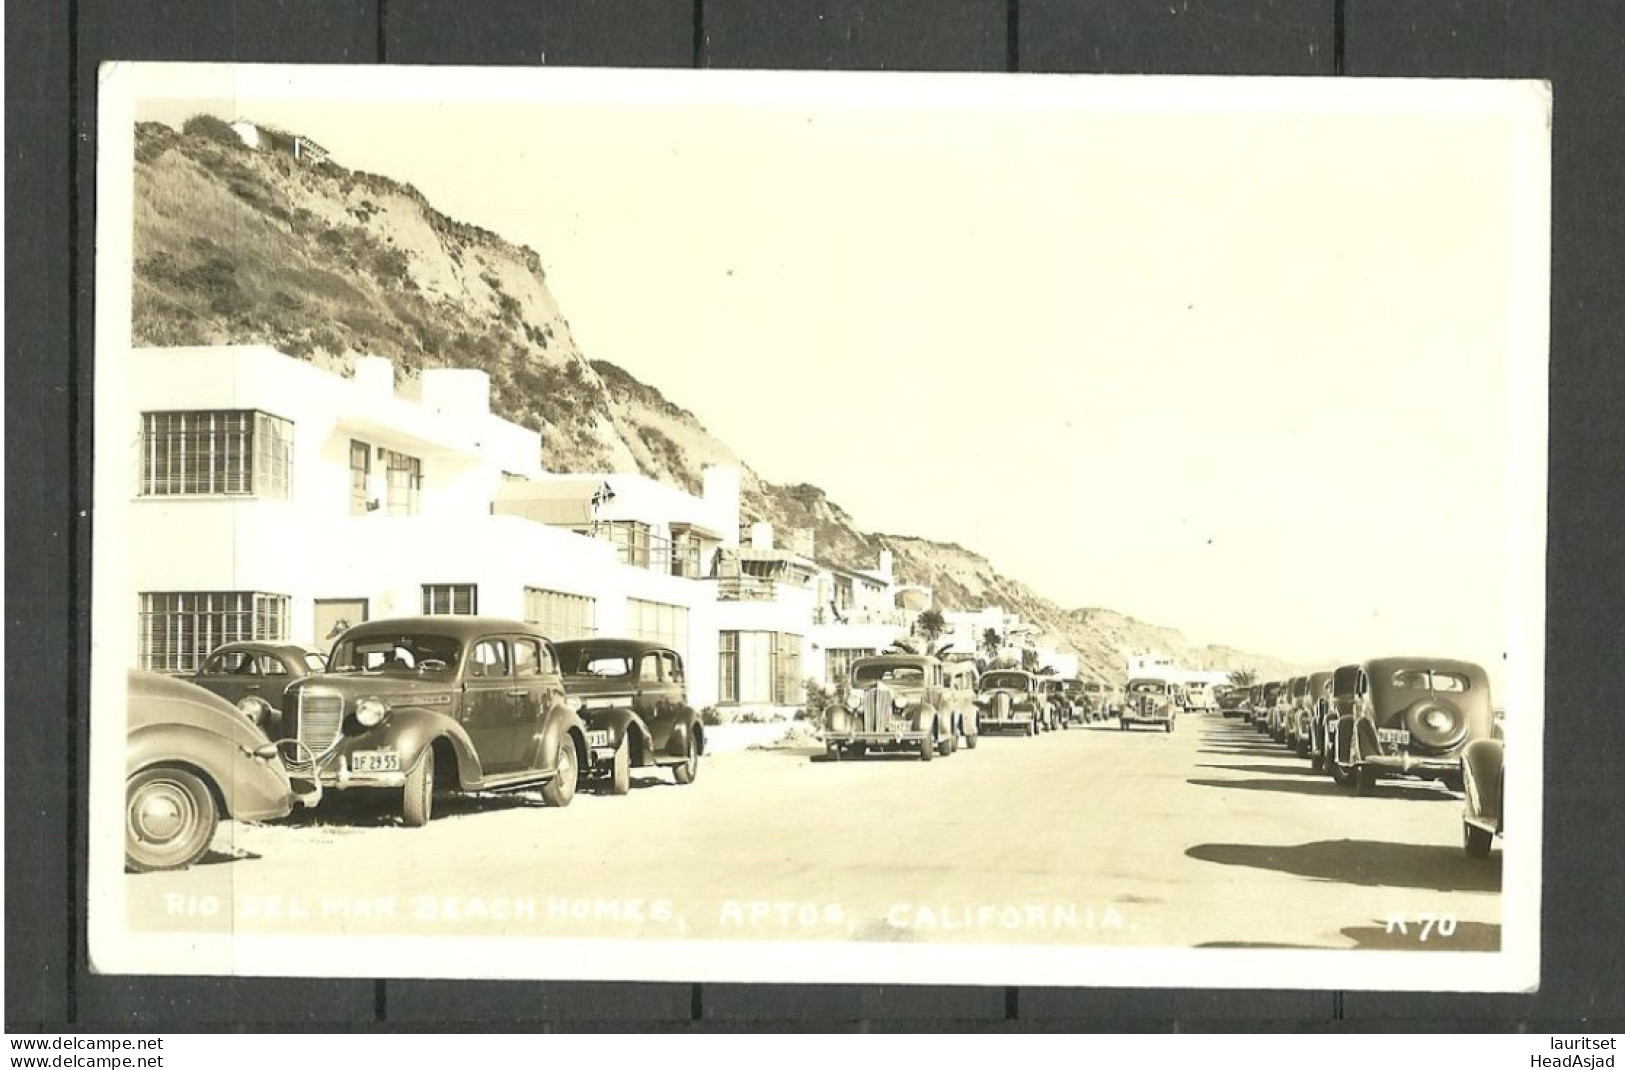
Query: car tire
[
  {"x": 689, "y": 768},
  {"x": 1365, "y": 779},
  {"x": 928, "y": 748},
  {"x": 620, "y": 768},
  {"x": 1168, "y": 727},
  {"x": 1032, "y": 728},
  {"x": 562, "y": 788},
  {"x": 417, "y": 794},
  {"x": 1476, "y": 841},
  {"x": 970, "y": 740},
  {"x": 170, "y": 819}
]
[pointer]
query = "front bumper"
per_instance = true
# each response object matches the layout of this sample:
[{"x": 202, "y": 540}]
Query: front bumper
[
  {"x": 910, "y": 738},
  {"x": 1412, "y": 764}
]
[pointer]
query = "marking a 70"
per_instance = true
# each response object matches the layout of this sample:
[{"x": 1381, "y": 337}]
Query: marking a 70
[{"x": 1426, "y": 925}]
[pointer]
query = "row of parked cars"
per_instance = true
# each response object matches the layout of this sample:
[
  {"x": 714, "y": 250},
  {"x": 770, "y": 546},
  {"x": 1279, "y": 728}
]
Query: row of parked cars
[
  {"x": 420, "y": 707},
  {"x": 931, "y": 706},
  {"x": 1430, "y": 718}
]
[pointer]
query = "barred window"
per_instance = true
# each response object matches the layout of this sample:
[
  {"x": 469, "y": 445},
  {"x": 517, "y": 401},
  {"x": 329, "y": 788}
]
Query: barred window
[
  {"x": 561, "y": 616},
  {"x": 231, "y": 451},
  {"x": 460, "y": 599},
  {"x": 180, "y": 628},
  {"x": 787, "y": 687},
  {"x": 838, "y": 662},
  {"x": 658, "y": 622},
  {"x": 728, "y": 666}
]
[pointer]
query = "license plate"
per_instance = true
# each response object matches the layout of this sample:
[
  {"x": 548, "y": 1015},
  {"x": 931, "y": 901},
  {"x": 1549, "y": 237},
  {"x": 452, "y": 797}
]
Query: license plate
[
  {"x": 375, "y": 761},
  {"x": 1399, "y": 736},
  {"x": 597, "y": 739},
  {"x": 899, "y": 725}
]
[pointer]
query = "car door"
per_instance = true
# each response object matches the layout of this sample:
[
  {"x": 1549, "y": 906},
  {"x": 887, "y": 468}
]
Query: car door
[
  {"x": 535, "y": 690},
  {"x": 654, "y": 697},
  {"x": 489, "y": 712},
  {"x": 231, "y": 674}
]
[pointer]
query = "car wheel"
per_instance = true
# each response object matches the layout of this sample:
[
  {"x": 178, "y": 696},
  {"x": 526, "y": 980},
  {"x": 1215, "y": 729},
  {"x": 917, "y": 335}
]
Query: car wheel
[
  {"x": 417, "y": 796},
  {"x": 1365, "y": 779},
  {"x": 169, "y": 819},
  {"x": 690, "y": 768},
  {"x": 1032, "y": 728},
  {"x": 970, "y": 740},
  {"x": 1168, "y": 727},
  {"x": 562, "y": 788},
  {"x": 928, "y": 748},
  {"x": 620, "y": 768},
  {"x": 1122, "y": 725},
  {"x": 951, "y": 744},
  {"x": 1476, "y": 841}
]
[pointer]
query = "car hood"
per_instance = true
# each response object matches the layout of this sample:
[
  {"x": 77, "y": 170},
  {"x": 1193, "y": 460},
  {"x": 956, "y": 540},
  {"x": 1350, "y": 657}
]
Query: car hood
[{"x": 155, "y": 699}]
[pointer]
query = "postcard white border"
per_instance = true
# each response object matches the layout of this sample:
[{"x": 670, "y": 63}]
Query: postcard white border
[{"x": 114, "y": 949}]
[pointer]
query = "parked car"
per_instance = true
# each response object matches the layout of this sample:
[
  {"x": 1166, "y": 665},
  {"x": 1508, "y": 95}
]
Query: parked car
[
  {"x": 1483, "y": 769},
  {"x": 902, "y": 702},
  {"x": 1286, "y": 700},
  {"x": 253, "y": 675},
  {"x": 1308, "y": 733},
  {"x": 1271, "y": 695},
  {"x": 1148, "y": 701},
  {"x": 425, "y": 705},
  {"x": 1091, "y": 698},
  {"x": 1009, "y": 698},
  {"x": 634, "y": 706},
  {"x": 191, "y": 759},
  {"x": 1411, "y": 717},
  {"x": 1339, "y": 706},
  {"x": 1199, "y": 698},
  {"x": 1060, "y": 705},
  {"x": 1234, "y": 703}
]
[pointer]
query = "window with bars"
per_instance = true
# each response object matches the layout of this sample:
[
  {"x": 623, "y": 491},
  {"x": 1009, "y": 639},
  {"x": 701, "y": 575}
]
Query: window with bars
[
  {"x": 561, "y": 616},
  {"x": 459, "y": 599},
  {"x": 223, "y": 451},
  {"x": 838, "y": 662},
  {"x": 179, "y": 628},
  {"x": 759, "y": 667},
  {"x": 360, "y": 477},
  {"x": 658, "y": 622}
]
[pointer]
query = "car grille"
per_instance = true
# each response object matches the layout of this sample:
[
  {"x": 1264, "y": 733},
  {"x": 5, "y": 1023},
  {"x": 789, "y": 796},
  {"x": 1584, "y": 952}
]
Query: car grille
[
  {"x": 876, "y": 709},
  {"x": 320, "y": 717},
  {"x": 1001, "y": 706}
]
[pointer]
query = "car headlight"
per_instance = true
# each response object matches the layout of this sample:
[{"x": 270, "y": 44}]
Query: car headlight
[
  {"x": 899, "y": 704},
  {"x": 251, "y": 708},
  {"x": 370, "y": 711}
]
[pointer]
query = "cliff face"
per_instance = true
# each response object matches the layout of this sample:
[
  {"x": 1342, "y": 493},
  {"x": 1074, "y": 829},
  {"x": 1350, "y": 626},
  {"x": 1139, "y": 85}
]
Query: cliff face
[{"x": 238, "y": 245}]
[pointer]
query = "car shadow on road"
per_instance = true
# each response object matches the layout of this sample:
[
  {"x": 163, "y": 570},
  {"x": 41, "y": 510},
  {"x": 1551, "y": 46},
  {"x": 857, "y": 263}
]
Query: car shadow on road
[
  {"x": 382, "y": 810},
  {"x": 1311, "y": 786},
  {"x": 1247, "y": 752},
  {"x": 1369, "y": 863},
  {"x": 1266, "y": 770},
  {"x": 1464, "y": 936}
]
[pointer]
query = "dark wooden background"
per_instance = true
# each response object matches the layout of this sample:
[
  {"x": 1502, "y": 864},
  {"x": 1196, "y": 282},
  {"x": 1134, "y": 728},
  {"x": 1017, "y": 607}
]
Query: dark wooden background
[{"x": 53, "y": 48}]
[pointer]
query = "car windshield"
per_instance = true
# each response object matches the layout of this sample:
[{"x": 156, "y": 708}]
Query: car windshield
[
  {"x": 900, "y": 675},
  {"x": 396, "y": 653},
  {"x": 1013, "y": 680},
  {"x": 1147, "y": 687},
  {"x": 315, "y": 662},
  {"x": 1428, "y": 680},
  {"x": 589, "y": 662}
]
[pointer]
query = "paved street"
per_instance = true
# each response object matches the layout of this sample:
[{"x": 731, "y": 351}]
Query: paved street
[{"x": 1211, "y": 836}]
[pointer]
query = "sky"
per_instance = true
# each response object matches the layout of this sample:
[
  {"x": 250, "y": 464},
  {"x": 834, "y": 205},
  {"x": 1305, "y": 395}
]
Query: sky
[{"x": 1253, "y": 363}]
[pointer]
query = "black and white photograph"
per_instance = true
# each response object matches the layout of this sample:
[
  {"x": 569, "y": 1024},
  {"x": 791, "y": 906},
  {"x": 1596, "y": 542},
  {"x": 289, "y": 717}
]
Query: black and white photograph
[{"x": 829, "y": 527}]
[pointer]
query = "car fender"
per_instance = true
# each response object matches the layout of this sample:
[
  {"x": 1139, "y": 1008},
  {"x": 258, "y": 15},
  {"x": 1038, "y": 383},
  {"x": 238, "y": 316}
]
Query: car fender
[
  {"x": 1345, "y": 739},
  {"x": 561, "y": 723},
  {"x": 677, "y": 743},
  {"x": 1482, "y": 773},
  {"x": 621, "y": 722},
  {"x": 1367, "y": 731},
  {"x": 238, "y": 780},
  {"x": 412, "y": 729},
  {"x": 922, "y": 717}
]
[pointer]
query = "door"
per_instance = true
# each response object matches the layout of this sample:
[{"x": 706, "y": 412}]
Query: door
[
  {"x": 489, "y": 710},
  {"x": 534, "y": 692},
  {"x": 657, "y": 697},
  {"x": 333, "y": 617}
]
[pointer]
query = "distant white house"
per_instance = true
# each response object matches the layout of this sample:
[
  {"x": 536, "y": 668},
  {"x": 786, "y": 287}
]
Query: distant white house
[{"x": 270, "y": 139}]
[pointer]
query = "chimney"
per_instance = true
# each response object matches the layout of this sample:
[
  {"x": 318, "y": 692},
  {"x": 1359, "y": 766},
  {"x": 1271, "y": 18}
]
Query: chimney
[
  {"x": 886, "y": 565},
  {"x": 761, "y": 535}
]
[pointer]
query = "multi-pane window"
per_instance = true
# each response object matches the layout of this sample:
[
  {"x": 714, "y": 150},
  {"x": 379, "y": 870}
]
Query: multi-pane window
[
  {"x": 179, "y": 628},
  {"x": 658, "y": 622},
  {"x": 838, "y": 662},
  {"x": 561, "y": 616},
  {"x": 360, "y": 477},
  {"x": 227, "y": 451},
  {"x": 450, "y": 598},
  {"x": 759, "y": 667},
  {"x": 404, "y": 477},
  {"x": 636, "y": 543}
]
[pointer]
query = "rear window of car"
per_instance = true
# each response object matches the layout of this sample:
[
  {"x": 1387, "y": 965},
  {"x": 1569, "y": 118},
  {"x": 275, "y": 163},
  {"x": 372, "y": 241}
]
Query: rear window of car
[
  {"x": 596, "y": 664},
  {"x": 1005, "y": 679},
  {"x": 905, "y": 675},
  {"x": 1429, "y": 680}
]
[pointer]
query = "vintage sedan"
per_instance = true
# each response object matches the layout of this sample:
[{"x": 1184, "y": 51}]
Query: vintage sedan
[
  {"x": 1148, "y": 701},
  {"x": 1234, "y": 702},
  {"x": 1061, "y": 711},
  {"x": 253, "y": 675},
  {"x": 1009, "y": 698},
  {"x": 1308, "y": 724},
  {"x": 1483, "y": 769},
  {"x": 633, "y": 701},
  {"x": 1270, "y": 697},
  {"x": 425, "y": 705},
  {"x": 1088, "y": 698},
  {"x": 1411, "y": 717},
  {"x": 1339, "y": 705},
  {"x": 902, "y": 702},
  {"x": 191, "y": 759}
]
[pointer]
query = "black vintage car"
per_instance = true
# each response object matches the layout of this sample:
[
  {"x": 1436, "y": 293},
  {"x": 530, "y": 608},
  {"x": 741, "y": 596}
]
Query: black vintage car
[
  {"x": 1411, "y": 717},
  {"x": 634, "y": 705},
  {"x": 424, "y": 705},
  {"x": 253, "y": 675},
  {"x": 1483, "y": 768},
  {"x": 903, "y": 702},
  {"x": 1234, "y": 702},
  {"x": 1148, "y": 701},
  {"x": 1264, "y": 712},
  {"x": 1009, "y": 698}
]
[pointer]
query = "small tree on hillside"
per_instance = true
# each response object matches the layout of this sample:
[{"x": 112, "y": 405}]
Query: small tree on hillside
[
  {"x": 992, "y": 643},
  {"x": 1244, "y": 677},
  {"x": 930, "y": 625},
  {"x": 1029, "y": 659}
]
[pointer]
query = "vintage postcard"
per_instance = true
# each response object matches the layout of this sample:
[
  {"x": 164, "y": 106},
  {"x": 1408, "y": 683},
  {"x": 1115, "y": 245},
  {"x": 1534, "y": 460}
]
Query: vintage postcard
[{"x": 702, "y": 526}]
